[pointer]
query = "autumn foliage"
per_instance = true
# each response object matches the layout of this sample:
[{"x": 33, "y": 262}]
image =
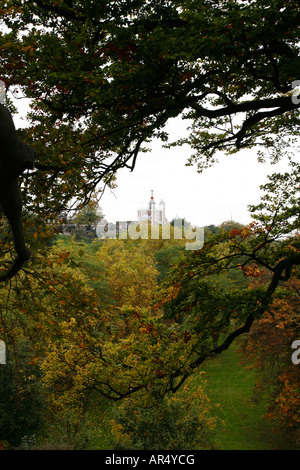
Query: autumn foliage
[
  {"x": 91, "y": 324},
  {"x": 268, "y": 348}
]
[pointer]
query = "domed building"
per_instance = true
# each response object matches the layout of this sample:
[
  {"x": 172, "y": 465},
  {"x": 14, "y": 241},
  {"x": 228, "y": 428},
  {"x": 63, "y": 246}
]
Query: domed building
[{"x": 153, "y": 214}]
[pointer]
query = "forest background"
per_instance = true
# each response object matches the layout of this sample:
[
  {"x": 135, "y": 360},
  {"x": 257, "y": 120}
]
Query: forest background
[{"x": 122, "y": 332}]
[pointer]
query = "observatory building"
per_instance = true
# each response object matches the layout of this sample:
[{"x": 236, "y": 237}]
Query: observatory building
[{"x": 156, "y": 215}]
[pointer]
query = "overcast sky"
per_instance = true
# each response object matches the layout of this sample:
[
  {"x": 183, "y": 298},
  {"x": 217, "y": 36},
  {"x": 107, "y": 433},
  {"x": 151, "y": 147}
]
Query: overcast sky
[{"x": 220, "y": 193}]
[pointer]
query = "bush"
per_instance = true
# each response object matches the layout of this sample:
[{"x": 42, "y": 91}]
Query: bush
[
  {"x": 21, "y": 404},
  {"x": 178, "y": 422}
]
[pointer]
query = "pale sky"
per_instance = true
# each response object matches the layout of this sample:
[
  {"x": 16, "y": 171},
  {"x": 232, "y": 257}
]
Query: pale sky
[{"x": 220, "y": 193}]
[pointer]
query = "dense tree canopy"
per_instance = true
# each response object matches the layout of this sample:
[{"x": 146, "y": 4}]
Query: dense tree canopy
[{"x": 105, "y": 77}]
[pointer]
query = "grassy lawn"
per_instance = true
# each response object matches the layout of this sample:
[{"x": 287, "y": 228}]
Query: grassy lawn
[{"x": 230, "y": 385}]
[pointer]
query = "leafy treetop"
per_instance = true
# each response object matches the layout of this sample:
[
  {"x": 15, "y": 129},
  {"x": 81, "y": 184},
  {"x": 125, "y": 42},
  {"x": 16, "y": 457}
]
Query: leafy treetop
[{"x": 105, "y": 77}]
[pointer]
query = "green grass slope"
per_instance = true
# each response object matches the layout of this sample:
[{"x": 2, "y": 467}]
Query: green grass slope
[{"x": 230, "y": 385}]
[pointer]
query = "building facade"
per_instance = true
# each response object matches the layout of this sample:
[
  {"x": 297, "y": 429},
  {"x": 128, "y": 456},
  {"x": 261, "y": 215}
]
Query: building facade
[{"x": 153, "y": 213}]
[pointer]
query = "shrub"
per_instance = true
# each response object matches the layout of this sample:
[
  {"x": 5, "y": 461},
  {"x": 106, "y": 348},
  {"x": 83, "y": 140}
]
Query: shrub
[{"x": 178, "y": 422}]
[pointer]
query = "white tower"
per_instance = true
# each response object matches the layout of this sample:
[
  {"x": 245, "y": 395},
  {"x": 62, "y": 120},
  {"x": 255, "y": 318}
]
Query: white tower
[
  {"x": 162, "y": 212},
  {"x": 155, "y": 216},
  {"x": 151, "y": 202},
  {"x": 152, "y": 208}
]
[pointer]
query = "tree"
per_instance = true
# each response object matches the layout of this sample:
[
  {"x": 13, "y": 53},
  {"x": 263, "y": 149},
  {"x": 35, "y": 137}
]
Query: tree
[
  {"x": 268, "y": 348},
  {"x": 130, "y": 272},
  {"x": 89, "y": 214},
  {"x": 21, "y": 401},
  {"x": 194, "y": 298},
  {"x": 230, "y": 225},
  {"x": 181, "y": 421},
  {"x": 37, "y": 315},
  {"x": 83, "y": 223},
  {"x": 104, "y": 79}
]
